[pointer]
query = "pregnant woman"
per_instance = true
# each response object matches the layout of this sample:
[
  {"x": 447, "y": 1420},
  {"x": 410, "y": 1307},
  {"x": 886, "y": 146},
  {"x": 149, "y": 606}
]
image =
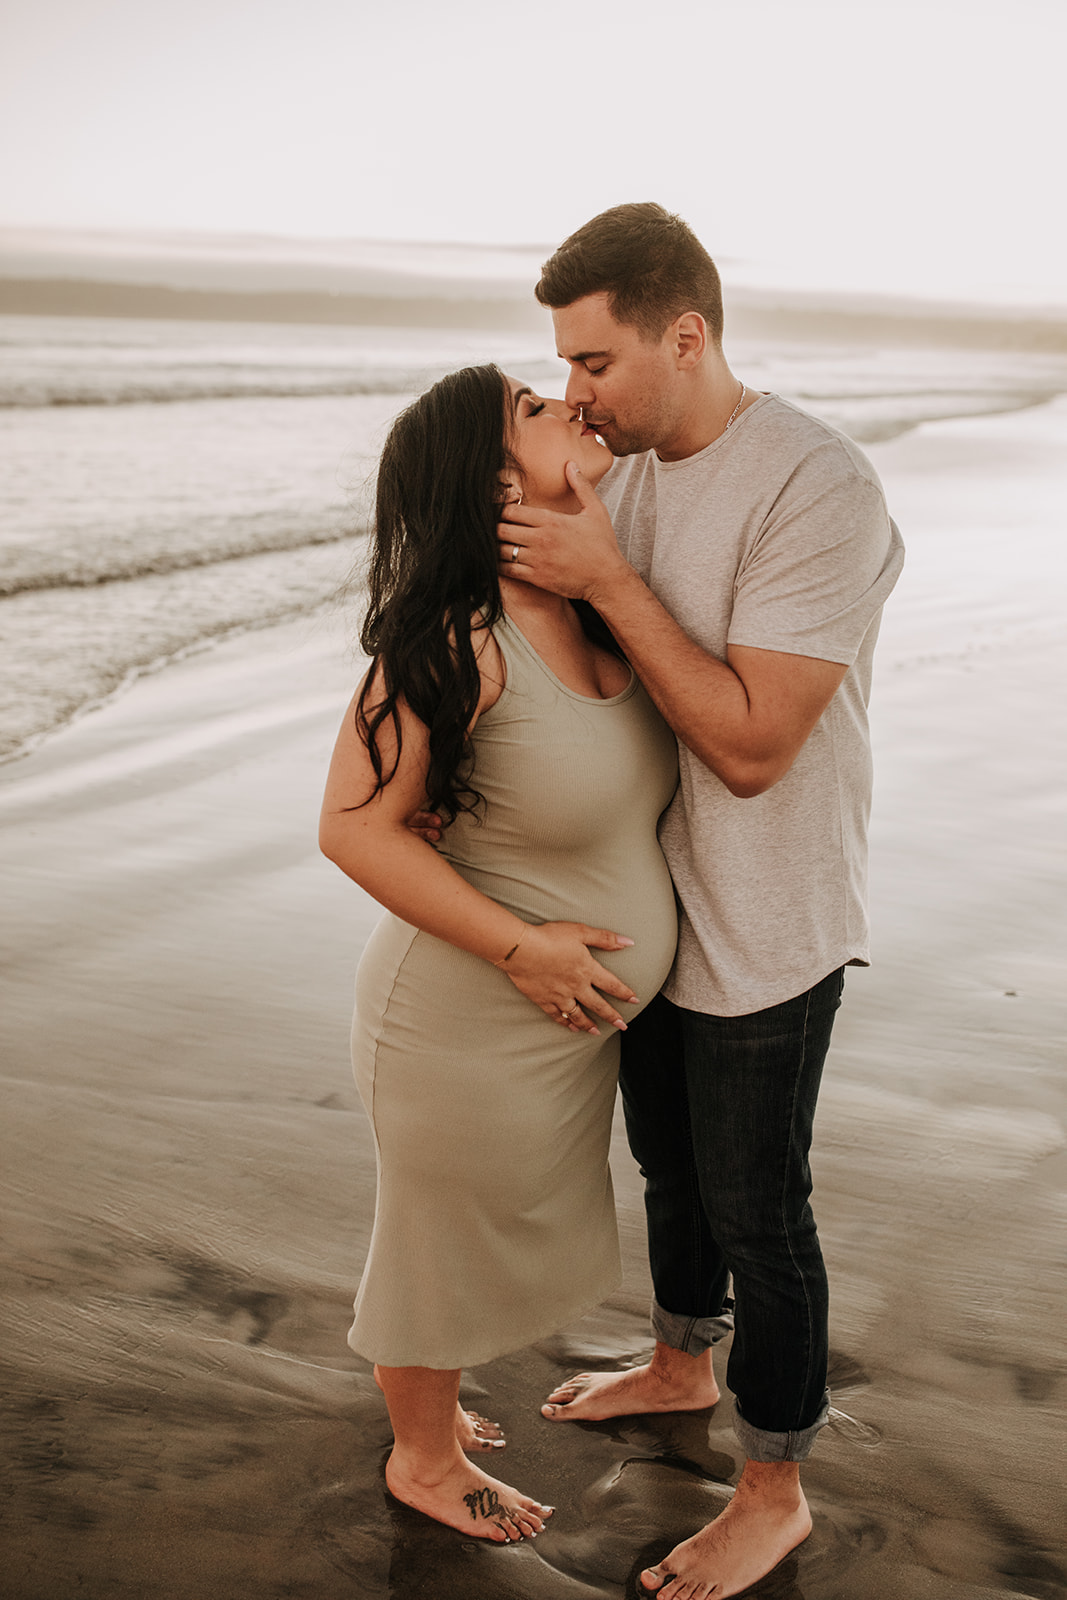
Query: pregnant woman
[{"x": 485, "y": 1040}]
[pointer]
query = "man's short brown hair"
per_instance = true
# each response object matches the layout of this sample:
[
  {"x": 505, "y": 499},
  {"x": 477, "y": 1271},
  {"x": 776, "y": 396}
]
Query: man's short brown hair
[{"x": 647, "y": 261}]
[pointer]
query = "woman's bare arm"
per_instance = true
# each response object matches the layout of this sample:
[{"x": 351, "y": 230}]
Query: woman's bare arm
[{"x": 373, "y": 843}]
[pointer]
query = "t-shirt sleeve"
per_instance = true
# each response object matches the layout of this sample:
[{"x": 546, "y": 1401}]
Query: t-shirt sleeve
[{"x": 821, "y": 568}]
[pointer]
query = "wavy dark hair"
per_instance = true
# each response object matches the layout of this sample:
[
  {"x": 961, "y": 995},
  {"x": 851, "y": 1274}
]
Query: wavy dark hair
[
  {"x": 433, "y": 574},
  {"x": 433, "y": 581}
]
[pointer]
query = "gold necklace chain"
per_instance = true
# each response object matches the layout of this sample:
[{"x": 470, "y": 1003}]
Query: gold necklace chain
[{"x": 737, "y": 407}]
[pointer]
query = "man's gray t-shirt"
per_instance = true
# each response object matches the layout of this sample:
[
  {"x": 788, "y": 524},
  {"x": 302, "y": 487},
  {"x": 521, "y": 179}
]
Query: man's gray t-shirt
[{"x": 775, "y": 536}]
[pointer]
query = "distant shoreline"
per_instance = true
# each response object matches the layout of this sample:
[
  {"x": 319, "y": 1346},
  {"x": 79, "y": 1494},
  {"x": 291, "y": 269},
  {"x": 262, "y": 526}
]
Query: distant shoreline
[
  {"x": 83, "y": 297},
  {"x": 751, "y": 314}
]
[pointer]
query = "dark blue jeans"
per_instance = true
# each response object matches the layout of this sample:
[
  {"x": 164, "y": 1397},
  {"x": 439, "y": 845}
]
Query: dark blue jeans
[{"x": 719, "y": 1113}]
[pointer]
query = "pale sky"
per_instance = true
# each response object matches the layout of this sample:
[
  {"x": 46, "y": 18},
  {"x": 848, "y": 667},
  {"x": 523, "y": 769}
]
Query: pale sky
[{"x": 904, "y": 145}]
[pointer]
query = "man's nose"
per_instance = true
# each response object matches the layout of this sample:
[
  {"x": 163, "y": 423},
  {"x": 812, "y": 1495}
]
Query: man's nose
[{"x": 579, "y": 390}]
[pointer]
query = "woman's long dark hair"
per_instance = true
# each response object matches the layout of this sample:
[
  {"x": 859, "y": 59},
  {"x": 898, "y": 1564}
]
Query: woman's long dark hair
[
  {"x": 433, "y": 579},
  {"x": 433, "y": 574}
]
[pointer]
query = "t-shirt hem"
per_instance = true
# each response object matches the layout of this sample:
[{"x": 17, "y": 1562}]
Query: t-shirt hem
[
  {"x": 692, "y": 996},
  {"x": 793, "y": 647}
]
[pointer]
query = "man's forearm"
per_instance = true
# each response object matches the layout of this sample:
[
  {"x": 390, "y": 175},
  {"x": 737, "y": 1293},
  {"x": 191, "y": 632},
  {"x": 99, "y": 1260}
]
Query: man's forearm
[
  {"x": 702, "y": 699},
  {"x": 746, "y": 719}
]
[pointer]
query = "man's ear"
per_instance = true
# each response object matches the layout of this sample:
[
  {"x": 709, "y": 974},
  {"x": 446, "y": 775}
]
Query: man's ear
[{"x": 690, "y": 338}]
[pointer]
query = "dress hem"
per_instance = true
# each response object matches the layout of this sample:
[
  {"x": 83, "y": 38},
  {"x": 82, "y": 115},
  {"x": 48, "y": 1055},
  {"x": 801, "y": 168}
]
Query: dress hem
[{"x": 561, "y": 1319}]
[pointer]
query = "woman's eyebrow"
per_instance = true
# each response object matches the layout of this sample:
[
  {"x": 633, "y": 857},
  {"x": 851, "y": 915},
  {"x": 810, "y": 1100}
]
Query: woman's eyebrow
[{"x": 517, "y": 396}]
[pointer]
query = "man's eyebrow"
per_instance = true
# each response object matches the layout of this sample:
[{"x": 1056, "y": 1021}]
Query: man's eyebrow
[{"x": 584, "y": 355}]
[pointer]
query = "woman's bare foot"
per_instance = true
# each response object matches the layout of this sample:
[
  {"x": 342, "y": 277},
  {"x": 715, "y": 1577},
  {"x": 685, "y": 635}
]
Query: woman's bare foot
[
  {"x": 468, "y": 1499},
  {"x": 477, "y": 1433},
  {"x": 767, "y": 1517},
  {"x": 672, "y": 1381}
]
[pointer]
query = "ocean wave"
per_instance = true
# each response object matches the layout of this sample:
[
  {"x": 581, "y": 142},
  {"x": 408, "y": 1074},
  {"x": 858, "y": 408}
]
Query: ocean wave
[
  {"x": 94, "y": 495},
  {"x": 110, "y": 388},
  {"x": 31, "y": 571},
  {"x": 64, "y": 650},
  {"x": 93, "y": 361},
  {"x": 119, "y": 389},
  {"x": 877, "y": 418}
]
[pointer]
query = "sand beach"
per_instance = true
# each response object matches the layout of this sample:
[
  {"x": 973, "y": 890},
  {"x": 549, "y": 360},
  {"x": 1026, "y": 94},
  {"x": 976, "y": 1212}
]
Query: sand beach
[{"x": 188, "y": 1175}]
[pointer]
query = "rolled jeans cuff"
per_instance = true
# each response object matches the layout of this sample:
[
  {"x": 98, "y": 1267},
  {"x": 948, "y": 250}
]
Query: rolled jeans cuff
[
  {"x": 693, "y": 1335},
  {"x": 761, "y": 1445}
]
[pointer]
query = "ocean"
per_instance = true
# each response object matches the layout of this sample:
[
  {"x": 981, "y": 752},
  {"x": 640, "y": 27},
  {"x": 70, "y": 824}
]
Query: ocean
[{"x": 167, "y": 482}]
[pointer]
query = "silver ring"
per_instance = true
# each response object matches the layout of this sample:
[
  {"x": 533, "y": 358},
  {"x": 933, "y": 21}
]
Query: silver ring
[{"x": 514, "y": 552}]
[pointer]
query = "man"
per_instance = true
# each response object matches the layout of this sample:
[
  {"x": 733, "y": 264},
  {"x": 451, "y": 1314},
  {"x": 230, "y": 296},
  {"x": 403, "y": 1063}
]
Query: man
[{"x": 741, "y": 557}]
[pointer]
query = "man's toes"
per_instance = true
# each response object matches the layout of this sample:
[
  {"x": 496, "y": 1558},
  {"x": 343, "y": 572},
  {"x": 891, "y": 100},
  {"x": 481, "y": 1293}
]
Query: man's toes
[
  {"x": 558, "y": 1412},
  {"x": 653, "y": 1579},
  {"x": 674, "y": 1588},
  {"x": 564, "y": 1396},
  {"x": 571, "y": 1386}
]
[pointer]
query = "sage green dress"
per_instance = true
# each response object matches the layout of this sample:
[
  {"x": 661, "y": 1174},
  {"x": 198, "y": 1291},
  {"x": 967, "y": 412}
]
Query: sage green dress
[{"x": 495, "y": 1221}]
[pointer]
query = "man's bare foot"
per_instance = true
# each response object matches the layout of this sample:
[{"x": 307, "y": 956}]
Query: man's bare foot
[
  {"x": 477, "y": 1433},
  {"x": 675, "y": 1383},
  {"x": 466, "y": 1498},
  {"x": 767, "y": 1517}
]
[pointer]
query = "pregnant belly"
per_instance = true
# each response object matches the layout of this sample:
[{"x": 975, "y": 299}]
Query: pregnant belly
[
  {"x": 638, "y": 902},
  {"x": 651, "y": 922}
]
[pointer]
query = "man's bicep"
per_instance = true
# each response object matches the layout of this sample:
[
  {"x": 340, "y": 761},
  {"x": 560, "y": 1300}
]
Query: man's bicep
[
  {"x": 819, "y": 574},
  {"x": 787, "y": 694}
]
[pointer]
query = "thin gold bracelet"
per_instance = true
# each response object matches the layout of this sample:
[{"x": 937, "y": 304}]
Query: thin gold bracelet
[{"x": 505, "y": 959}]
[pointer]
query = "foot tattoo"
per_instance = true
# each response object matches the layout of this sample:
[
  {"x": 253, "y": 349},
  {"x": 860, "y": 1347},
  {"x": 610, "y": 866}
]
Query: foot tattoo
[{"x": 484, "y": 1502}]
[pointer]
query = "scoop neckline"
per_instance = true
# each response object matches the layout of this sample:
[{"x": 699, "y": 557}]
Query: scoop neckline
[{"x": 573, "y": 694}]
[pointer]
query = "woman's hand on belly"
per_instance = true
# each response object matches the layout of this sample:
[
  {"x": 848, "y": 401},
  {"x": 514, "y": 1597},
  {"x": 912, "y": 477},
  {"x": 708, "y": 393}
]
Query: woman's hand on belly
[{"x": 553, "y": 966}]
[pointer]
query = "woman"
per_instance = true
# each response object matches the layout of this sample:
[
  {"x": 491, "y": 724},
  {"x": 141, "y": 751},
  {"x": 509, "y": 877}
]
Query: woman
[{"x": 476, "y": 1042}]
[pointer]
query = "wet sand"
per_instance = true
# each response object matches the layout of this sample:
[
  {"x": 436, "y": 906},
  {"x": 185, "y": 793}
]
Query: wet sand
[{"x": 188, "y": 1176}]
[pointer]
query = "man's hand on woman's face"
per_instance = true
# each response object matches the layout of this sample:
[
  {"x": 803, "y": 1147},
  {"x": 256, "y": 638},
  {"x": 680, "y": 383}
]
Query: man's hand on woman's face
[{"x": 571, "y": 554}]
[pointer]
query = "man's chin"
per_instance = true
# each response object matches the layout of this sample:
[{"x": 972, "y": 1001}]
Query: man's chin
[{"x": 622, "y": 444}]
